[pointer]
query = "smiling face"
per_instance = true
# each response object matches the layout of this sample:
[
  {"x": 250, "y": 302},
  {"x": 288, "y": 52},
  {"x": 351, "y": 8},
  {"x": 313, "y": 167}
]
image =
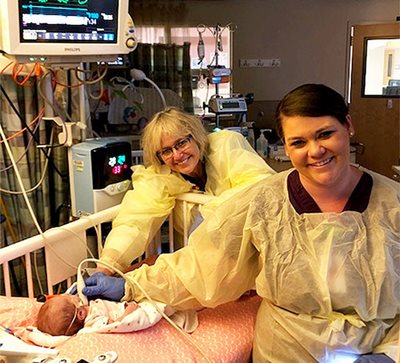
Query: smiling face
[
  {"x": 318, "y": 148},
  {"x": 186, "y": 160}
]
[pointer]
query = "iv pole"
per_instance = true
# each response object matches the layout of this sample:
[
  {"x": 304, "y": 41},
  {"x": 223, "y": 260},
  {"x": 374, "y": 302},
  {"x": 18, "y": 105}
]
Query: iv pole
[
  {"x": 216, "y": 32},
  {"x": 217, "y": 47}
]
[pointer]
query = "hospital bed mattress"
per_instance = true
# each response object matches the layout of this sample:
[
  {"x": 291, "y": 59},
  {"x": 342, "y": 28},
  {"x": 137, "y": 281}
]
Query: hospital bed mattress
[{"x": 225, "y": 334}]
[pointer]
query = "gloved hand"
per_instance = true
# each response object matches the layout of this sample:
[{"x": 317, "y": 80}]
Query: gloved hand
[
  {"x": 374, "y": 358},
  {"x": 99, "y": 285}
]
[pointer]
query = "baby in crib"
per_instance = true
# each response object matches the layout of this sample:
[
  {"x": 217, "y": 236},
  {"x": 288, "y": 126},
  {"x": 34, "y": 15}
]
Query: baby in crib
[{"x": 63, "y": 315}]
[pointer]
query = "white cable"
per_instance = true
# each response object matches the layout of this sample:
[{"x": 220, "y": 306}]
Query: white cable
[
  {"x": 99, "y": 78},
  {"x": 138, "y": 75},
  {"x": 158, "y": 90},
  {"x": 97, "y": 228},
  {"x": 128, "y": 85},
  {"x": 100, "y": 90},
  {"x": 129, "y": 281},
  {"x": 35, "y": 254},
  {"x": 58, "y": 110},
  {"x": 24, "y": 193},
  {"x": 47, "y": 244},
  {"x": 35, "y": 221},
  {"x": 31, "y": 138},
  {"x": 20, "y": 181},
  {"x": 84, "y": 243},
  {"x": 42, "y": 177}
]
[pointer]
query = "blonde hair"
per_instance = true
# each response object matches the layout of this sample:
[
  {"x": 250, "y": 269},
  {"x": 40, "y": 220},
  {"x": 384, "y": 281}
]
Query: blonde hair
[
  {"x": 57, "y": 316},
  {"x": 171, "y": 122}
]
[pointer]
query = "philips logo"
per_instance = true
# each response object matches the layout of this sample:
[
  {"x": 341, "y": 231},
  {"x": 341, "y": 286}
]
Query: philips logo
[{"x": 72, "y": 49}]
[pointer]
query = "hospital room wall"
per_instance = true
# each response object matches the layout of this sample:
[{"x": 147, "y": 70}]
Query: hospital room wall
[{"x": 309, "y": 36}]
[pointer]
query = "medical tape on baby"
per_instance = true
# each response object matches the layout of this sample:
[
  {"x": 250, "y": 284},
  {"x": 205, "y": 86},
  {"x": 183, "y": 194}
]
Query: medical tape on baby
[
  {"x": 81, "y": 285},
  {"x": 72, "y": 321}
]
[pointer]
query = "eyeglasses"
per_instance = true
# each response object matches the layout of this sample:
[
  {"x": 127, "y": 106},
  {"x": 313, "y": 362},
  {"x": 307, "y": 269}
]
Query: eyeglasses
[{"x": 180, "y": 145}]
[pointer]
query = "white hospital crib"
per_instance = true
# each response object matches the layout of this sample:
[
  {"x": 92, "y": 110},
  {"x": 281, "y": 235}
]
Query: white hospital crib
[
  {"x": 225, "y": 333},
  {"x": 66, "y": 246}
]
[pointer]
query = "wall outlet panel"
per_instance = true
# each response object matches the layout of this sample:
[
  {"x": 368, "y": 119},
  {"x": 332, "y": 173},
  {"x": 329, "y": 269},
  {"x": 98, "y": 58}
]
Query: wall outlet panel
[{"x": 260, "y": 63}]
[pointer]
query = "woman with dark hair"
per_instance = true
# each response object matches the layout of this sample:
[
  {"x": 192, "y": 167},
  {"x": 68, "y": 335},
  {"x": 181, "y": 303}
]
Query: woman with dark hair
[{"x": 320, "y": 243}]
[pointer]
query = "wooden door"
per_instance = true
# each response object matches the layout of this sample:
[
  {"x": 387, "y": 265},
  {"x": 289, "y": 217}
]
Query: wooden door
[{"x": 376, "y": 118}]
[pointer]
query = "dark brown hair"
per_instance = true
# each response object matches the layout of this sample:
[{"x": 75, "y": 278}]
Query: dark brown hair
[{"x": 312, "y": 100}]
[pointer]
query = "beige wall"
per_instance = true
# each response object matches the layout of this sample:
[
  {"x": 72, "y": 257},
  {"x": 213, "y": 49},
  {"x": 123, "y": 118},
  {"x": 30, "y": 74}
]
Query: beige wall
[{"x": 309, "y": 36}]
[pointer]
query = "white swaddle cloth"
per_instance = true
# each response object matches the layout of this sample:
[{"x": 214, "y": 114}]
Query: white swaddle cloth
[{"x": 112, "y": 317}]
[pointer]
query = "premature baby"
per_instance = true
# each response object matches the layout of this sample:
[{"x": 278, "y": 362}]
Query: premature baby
[{"x": 63, "y": 315}]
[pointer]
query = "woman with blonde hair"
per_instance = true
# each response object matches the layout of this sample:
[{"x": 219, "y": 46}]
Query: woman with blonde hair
[{"x": 179, "y": 157}]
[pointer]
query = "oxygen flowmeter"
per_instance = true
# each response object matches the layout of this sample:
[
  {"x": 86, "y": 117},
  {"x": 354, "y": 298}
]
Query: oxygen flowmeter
[{"x": 100, "y": 173}]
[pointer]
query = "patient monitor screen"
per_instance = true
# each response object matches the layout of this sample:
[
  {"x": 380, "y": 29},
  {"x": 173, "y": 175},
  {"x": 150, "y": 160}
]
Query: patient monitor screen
[{"x": 75, "y": 21}]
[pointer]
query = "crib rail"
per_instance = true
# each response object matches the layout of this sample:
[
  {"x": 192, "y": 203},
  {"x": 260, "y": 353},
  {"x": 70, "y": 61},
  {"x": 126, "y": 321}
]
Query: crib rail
[{"x": 67, "y": 245}]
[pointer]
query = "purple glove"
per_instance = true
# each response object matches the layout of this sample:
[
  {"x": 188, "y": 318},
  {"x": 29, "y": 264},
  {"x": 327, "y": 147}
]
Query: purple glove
[
  {"x": 374, "y": 358},
  {"x": 101, "y": 286}
]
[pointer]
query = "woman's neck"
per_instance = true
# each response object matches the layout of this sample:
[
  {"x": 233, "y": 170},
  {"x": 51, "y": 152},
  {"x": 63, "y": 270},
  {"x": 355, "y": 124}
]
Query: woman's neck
[
  {"x": 199, "y": 176},
  {"x": 333, "y": 198}
]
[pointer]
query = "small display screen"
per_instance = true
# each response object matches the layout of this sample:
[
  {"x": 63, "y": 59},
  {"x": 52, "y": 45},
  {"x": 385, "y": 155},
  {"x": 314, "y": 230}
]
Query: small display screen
[
  {"x": 75, "y": 21},
  {"x": 111, "y": 164},
  {"x": 117, "y": 164},
  {"x": 230, "y": 105}
]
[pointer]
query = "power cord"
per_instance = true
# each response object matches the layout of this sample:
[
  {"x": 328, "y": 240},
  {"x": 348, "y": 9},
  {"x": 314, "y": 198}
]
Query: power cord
[{"x": 29, "y": 130}]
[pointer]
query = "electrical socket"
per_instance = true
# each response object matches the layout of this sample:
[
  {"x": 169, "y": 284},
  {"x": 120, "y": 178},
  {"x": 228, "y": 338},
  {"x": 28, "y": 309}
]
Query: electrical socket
[{"x": 260, "y": 63}]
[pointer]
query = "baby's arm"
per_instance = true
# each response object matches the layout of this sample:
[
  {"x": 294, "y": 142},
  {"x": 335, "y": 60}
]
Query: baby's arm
[{"x": 130, "y": 307}]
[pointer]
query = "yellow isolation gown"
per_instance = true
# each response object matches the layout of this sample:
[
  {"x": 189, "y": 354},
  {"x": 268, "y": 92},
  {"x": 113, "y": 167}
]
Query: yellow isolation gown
[
  {"x": 231, "y": 164},
  {"x": 330, "y": 282}
]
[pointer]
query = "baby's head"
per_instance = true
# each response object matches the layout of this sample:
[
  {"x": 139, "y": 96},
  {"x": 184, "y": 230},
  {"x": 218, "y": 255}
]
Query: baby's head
[{"x": 61, "y": 315}]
